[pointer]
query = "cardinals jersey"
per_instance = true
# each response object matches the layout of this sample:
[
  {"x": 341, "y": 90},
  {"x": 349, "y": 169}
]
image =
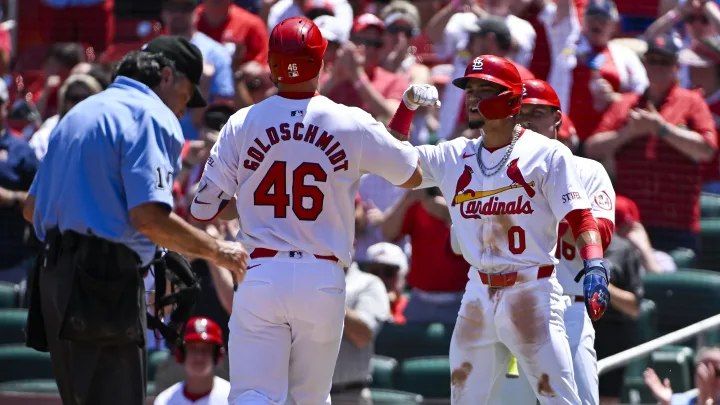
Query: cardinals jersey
[
  {"x": 174, "y": 395},
  {"x": 597, "y": 185},
  {"x": 293, "y": 166},
  {"x": 507, "y": 221}
]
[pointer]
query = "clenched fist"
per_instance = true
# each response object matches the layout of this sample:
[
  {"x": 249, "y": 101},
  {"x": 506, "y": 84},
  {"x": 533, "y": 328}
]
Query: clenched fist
[{"x": 421, "y": 95}]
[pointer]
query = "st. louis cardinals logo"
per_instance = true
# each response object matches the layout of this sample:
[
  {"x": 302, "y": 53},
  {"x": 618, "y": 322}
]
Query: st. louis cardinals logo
[
  {"x": 470, "y": 207},
  {"x": 477, "y": 63}
]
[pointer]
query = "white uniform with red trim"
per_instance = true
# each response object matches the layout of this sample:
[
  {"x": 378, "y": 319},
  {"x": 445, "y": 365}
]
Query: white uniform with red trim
[
  {"x": 174, "y": 395},
  {"x": 580, "y": 331},
  {"x": 506, "y": 225},
  {"x": 293, "y": 165}
]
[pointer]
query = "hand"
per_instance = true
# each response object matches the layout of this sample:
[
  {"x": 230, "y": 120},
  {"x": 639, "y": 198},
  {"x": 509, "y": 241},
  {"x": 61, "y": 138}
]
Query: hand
[
  {"x": 595, "y": 290},
  {"x": 233, "y": 257},
  {"x": 52, "y": 82},
  {"x": 642, "y": 122},
  {"x": 355, "y": 60},
  {"x": 421, "y": 95},
  {"x": 705, "y": 382},
  {"x": 660, "y": 390},
  {"x": 602, "y": 93},
  {"x": 8, "y": 198}
]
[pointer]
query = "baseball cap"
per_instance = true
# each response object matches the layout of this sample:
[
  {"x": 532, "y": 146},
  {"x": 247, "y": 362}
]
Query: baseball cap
[
  {"x": 389, "y": 254},
  {"x": 331, "y": 28},
  {"x": 705, "y": 53},
  {"x": 401, "y": 12},
  {"x": 188, "y": 61},
  {"x": 626, "y": 211},
  {"x": 602, "y": 8},
  {"x": 496, "y": 26},
  {"x": 368, "y": 20},
  {"x": 667, "y": 45}
]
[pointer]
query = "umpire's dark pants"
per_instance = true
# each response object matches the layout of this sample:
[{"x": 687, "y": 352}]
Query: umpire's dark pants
[{"x": 88, "y": 372}]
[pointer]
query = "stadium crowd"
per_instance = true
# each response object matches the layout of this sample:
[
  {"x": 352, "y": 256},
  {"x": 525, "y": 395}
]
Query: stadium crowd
[{"x": 627, "y": 74}]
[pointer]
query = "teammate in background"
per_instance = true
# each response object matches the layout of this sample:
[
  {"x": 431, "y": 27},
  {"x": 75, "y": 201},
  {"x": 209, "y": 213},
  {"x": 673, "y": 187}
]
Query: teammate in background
[
  {"x": 200, "y": 352},
  {"x": 293, "y": 162},
  {"x": 507, "y": 191},
  {"x": 540, "y": 112}
]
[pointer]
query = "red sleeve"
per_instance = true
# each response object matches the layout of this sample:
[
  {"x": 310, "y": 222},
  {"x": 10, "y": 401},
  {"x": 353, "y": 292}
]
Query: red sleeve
[
  {"x": 581, "y": 221},
  {"x": 257, "y": 42},
  {"x": 701, "y": 120},
  {"x": 606, "y": 229}
]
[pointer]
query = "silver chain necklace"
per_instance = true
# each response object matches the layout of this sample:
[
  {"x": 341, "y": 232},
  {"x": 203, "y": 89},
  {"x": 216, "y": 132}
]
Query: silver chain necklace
[{"x": 493, "y": 170}]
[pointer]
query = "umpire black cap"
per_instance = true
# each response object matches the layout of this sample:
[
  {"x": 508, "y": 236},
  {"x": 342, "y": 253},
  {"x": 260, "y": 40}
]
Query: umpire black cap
[{"x": 188, "y": 61}]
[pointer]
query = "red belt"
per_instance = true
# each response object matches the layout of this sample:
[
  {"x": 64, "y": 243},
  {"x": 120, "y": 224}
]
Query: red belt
[
  {"x": 259, "y": 253},
  {"x": 509, "y": 279}
]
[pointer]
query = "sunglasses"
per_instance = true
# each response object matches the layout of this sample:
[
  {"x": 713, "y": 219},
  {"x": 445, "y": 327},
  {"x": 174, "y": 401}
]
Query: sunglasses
[
  {"x": 697, "y": 18},
  {"x": 660, "y": 61},
  {"x": 371, "y": 43},
  {"x": 399, "y": 28}
]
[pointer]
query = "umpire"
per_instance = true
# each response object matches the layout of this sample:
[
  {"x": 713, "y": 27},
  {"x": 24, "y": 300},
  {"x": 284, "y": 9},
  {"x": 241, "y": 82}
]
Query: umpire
[{"x": 101, "y": 202}]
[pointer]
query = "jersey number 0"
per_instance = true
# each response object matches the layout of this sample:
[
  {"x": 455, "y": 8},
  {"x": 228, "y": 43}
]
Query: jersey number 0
[{"x": 272, "y": 190}]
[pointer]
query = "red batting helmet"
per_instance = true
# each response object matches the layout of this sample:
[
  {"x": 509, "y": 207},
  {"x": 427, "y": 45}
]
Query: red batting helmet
[
  {"x": 200, "y": 329},
  {"x": 539, "y": 92},
  {"x": 296, "y": 50},
  {"x": 498, "y": 70}
]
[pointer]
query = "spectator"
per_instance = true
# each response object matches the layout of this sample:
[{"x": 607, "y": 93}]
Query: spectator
[
  {"x": 601, "y": 71},
  {"x": 252, "y": 84},
  {"x": 450, "y": 30},
  {"x": 402, "y": 23},
  {"x": 657, "y": 142},
  {"x": 201, "y": 351},
  {"x": 75, "y": 89},
  {"x": 701, "y": 20},
  {"x": 703, "y": 63},
  {"x": 424, "y": 48},
  {"x": 616, "y": 330},
  {"x": 357, "y": 79},
  {"x": 60, "y": 60},
  {"x": 17, "y": 169},
  {"x": 283, "y": 9},
  {"x": 387, "y": 261},
  {"x": 426, "y": 123},
  {"x": 628, "y": 226},
  {"x": 177, "y": 16},
  {"x": 336, "y": 35},
  {"x": 437, "y": 275},
  {"x": 377, "y": 195},
  {"x": 87, "y": 21},
  {"x": 242, "y": 32},
  {"x": 366, "y": 308},
  {"x": 707, "y": 383},
  {"x": 23, "y": 119}
]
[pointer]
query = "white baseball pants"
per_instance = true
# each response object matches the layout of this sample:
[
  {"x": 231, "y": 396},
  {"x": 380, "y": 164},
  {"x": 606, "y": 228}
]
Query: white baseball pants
[
  {"x": 525, "y": 319},
  {"x": 581, "y": 336},
  {"x": 285, "y": 331}
]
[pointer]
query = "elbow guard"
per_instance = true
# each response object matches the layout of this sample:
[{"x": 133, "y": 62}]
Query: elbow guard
[{"x": 209, "y": 201}]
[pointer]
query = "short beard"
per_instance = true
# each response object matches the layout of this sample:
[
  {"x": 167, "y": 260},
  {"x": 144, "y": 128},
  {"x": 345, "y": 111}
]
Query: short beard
[{"x": 477, "y": 124}]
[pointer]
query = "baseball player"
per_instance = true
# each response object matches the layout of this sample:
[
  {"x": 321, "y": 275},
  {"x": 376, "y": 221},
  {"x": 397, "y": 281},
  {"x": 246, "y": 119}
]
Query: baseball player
[
  {"x": 507, "y": 191},
  {"x": 540, "y": 112},
  {"x": 200, "y": 352},
  {"x": 293, "y": 162}
]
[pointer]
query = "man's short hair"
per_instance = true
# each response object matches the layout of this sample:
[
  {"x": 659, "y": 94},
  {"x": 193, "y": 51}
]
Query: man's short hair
[
  {"x": 68, "y": 54},
  {"x": 144, "y": 67}
]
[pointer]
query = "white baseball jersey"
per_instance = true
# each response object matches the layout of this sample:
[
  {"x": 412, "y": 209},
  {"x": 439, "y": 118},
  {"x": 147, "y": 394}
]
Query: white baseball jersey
[
  {"x": 507, "y": 221},
  {"x": 174, "y": 395},
  {"x": 294, "y": 164},
  {"x": 597, "y": 185}
]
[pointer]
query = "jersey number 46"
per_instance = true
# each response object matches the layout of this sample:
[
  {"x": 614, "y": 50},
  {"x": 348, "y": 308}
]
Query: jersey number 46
[{"x": 272, "y": 190}]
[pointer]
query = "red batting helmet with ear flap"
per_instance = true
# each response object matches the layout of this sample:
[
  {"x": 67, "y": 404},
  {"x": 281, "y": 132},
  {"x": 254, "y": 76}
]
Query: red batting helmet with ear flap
[
  {"x": 296, "y": 50},
  {"x": 200, "y": 329},
  {"x": 498, "y": 70},
  {"x": 539, "y": 92}
]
